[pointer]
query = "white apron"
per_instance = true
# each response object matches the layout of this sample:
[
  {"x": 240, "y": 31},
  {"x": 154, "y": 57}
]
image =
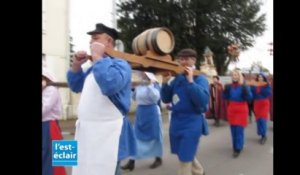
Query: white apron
[{"x": 98, "y": 131}]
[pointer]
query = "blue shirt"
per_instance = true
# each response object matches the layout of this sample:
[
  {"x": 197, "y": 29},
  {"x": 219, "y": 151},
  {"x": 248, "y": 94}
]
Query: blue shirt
[
  {"x": 263, "y": 93},
  {"x": 113, "y": 75},
  {"x": 235, "y": 92},
  {"x": 187, "y": 97}
]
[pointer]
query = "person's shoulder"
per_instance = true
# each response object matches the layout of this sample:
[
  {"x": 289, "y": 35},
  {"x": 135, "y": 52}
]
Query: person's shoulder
[
  {"x": 122, "y": 62},
  {"x": 201, "y": 78}
]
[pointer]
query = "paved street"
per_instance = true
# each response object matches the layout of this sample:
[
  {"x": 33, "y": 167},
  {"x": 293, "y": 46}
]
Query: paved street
[{"x": 215, "y": 153}]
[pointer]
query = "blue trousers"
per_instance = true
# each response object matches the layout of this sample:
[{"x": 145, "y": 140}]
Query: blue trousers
[
  {"x": 237, "y": 134},
  {"x": 262, "y": 127}
]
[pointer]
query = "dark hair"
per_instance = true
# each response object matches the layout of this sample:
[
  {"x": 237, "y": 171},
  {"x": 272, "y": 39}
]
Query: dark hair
[
  {"x": 46, "y": 79},
  {"x": 264, "y": 77},
  {"x": 187, "y": 53},
  {"x": 217, "y": 77}
]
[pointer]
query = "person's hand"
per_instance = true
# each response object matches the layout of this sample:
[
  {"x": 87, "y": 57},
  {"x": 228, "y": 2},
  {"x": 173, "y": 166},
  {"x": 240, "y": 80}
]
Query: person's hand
[
  {"x": 78, "y": 59},
  {"x": 44, "y": 84},
  {"x": 169, "y": 106},
  {"x": 189, "y": 74},
  {"x": 241, "y": 80},
  {"x": 97, "y": 50},
  {"x": 166, "y": 77}
]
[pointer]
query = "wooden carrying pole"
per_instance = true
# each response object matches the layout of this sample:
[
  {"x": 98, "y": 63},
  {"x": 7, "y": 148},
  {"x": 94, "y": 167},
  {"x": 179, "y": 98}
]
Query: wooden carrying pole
[
  {"x": 150, "y": 62},
  {"x": 58, "y": 84}
]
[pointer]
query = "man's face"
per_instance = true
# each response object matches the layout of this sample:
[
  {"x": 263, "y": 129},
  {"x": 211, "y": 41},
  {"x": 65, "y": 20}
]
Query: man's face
[
  {"x": 187, "y": 61},
  {"x": 215, "y": 80},
  {"x": 100, "y": 38}
]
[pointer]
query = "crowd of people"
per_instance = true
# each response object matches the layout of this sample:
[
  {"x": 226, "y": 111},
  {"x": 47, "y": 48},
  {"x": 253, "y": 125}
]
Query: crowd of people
[{"x": 106, "y": 136}]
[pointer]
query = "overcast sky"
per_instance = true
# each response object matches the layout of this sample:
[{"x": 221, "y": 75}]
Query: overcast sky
[{"x": 85, "y": 14}]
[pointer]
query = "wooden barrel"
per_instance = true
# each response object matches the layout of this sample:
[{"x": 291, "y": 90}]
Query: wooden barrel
[
  {"x": 160, "y": 40},
  {"x": 135, "y": 47},
  {"x": 139, "y": 44}
]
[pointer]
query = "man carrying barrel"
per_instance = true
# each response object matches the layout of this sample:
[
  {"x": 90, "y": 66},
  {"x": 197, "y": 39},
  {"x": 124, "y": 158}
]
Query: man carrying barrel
[
  {"x": 103, "y": 131},
  {"x": 189, "y": 96}
]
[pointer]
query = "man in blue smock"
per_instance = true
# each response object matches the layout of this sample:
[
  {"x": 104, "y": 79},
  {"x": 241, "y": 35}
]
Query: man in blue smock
[
  {"x": 189, "y": 96},
  {"x": 103, "y": 131}
]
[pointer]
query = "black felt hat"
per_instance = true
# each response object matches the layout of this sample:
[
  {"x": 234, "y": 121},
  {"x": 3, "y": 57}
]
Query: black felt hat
[{"x": 101, "y": 28}]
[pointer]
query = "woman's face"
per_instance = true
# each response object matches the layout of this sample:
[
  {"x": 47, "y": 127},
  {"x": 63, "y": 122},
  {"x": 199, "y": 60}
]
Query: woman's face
[
  {"x": 260, "y": 78},
  {"x": 235, "y": 76}
]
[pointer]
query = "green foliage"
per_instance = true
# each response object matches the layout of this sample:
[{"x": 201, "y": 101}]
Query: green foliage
[{"x": 195, "y": 24}]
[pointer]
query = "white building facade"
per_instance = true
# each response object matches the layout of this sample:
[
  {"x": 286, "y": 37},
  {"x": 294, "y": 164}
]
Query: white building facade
[{"x": 56, "y": 47}]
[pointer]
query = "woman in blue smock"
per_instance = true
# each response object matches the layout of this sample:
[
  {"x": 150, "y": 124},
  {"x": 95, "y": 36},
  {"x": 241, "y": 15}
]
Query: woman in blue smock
[{"x": 148, "y": 122}]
